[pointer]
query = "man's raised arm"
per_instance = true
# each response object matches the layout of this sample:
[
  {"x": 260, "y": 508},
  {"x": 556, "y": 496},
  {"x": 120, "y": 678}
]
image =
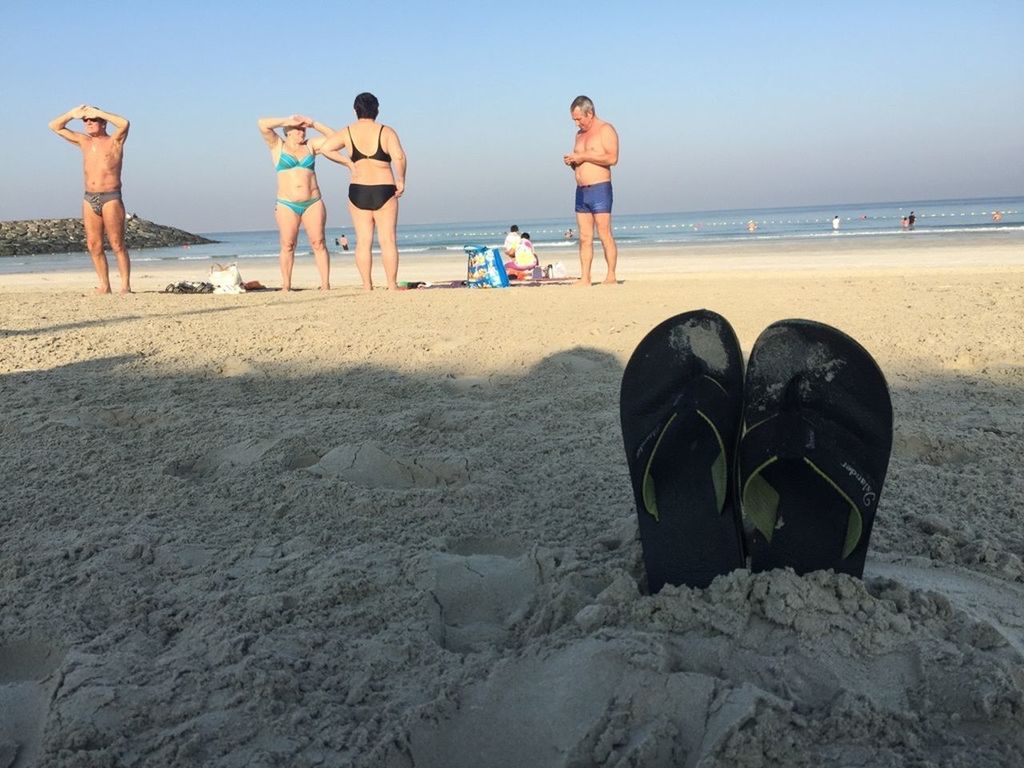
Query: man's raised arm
[{"x": 59, "y": 124}]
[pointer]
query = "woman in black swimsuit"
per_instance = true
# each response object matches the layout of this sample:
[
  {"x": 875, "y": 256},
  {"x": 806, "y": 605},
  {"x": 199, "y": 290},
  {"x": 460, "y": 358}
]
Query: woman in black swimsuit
[{"x": 373, "y": 194}]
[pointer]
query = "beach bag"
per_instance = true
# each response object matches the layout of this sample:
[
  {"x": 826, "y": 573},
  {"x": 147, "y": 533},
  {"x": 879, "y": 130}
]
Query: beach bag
[
  {"x": 484, "y": 267},
  {"x": 226, "y": 279},
  {"x": 556, "y": 270}
]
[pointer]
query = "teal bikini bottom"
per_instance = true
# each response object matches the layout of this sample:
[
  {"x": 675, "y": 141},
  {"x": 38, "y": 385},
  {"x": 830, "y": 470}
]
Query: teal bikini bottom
[{"x": 298, "y": 206}]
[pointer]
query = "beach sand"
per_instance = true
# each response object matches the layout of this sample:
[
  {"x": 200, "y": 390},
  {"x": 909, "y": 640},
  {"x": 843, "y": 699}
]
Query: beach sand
[{"x": 396, "y": 529}]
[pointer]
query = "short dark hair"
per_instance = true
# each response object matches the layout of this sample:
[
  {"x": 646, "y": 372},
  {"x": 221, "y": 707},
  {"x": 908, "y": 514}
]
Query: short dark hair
[
  {"x": 366, "y": 106},
  {"x": 514, "y": 228},
  {"x": 526, "y": 235},
  {"x": 584, "y": 103}
]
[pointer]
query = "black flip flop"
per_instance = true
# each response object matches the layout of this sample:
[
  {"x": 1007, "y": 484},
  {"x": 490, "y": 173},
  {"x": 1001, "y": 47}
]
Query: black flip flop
[
  {"x": 680, "y": 410},
  {"x": 817, "y": 434}
]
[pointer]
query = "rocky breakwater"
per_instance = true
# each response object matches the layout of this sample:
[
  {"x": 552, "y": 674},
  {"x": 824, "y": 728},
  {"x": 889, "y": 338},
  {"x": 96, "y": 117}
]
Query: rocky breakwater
[{"x": 34, "y": 236}]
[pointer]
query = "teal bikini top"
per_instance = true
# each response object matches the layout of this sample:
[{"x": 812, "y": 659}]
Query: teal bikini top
[{"x": 286, "y": 162}]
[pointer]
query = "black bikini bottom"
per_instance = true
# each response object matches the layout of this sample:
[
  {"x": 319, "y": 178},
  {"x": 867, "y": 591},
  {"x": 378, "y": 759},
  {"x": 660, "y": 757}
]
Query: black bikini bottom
[{"x": 370, "y": 197}]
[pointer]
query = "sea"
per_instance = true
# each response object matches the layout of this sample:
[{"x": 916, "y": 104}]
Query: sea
[{"x": 992, "y": 217}]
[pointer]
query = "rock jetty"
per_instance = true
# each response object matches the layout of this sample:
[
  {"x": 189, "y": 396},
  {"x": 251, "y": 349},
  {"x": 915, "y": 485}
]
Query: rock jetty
[{"x": 35, "y": 236}]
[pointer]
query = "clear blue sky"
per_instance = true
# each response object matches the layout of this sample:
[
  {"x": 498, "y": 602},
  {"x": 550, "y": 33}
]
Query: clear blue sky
[{"x": 721, "y": 105}]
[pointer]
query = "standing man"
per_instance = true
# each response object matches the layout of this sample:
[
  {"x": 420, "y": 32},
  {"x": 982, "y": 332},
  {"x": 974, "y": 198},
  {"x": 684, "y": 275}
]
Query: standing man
[
  {"x": 595, "y": 152},
  {"x": 102, "y": 209}
]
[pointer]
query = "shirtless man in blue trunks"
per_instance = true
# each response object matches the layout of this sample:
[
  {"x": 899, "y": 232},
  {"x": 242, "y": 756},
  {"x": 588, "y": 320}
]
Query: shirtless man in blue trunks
[
  {"x": 102, "y": 208},
  {"x": 595, "y": 152},
  {"x": 298, "y": 194}
]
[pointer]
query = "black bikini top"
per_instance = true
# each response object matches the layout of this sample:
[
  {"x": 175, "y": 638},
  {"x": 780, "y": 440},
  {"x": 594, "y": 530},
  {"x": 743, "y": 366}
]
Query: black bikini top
[{"x": 356, "y": 155}]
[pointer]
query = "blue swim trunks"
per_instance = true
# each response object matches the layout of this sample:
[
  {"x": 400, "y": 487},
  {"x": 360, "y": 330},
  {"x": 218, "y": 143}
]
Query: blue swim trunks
[{"x": 594, "y": 198}]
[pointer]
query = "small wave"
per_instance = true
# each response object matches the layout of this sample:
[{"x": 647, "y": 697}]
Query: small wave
[
  {"x": 764, "y": 236},
  {"x": 555, "y": 244}
]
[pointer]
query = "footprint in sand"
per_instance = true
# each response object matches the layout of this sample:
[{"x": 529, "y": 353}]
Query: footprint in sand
[
  {"x": 588, "y": 703},
  {"x": 477, "y": 591},
  {"x": 231, "y": 367},
  {"x": 230, "y": 457},
  {"x": 369, "y": 465},
  {"x": 463, "y": 384},
  {"x": 579, "y": 361},
  {"x": 931, "y": 450},
  {"x": 26, "y": 686},
  {"x": 992, "y": 602},
  {"x": 106, "y": 418}
]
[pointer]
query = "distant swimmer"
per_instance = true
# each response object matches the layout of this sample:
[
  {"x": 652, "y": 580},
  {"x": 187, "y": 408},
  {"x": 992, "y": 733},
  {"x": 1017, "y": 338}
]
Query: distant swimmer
[
  {"x": 997, "y": 216},
  {"x": 835, "y": 223},
  {"x": 595, "y": 151},
  {"x": 102, "y": 209},
  {"x": 298, "y": 193},
  {"x": 343, "y": 241},
  {"x": 751, "y": 226},
  {"x": 910, "y": 220}
]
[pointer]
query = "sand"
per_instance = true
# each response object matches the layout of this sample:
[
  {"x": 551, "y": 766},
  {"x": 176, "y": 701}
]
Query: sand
[{"x": 396, "y": 529}]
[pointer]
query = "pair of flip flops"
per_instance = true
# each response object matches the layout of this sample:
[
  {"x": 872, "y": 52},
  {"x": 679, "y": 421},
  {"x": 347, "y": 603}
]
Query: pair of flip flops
[{"x": 783, "y": 464}]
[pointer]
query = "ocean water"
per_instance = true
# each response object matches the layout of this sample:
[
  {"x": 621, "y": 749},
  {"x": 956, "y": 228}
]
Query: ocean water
[{"x": 946, "y": 219}]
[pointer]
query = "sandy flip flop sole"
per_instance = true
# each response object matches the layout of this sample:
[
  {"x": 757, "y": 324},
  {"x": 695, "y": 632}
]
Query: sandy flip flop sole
[
  {"x": 817, "y": 434},
  {"x": 679, "y": 407}
]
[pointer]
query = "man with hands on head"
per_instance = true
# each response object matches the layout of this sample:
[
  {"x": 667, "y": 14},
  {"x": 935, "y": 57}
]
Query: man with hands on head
[{"x": 102, "y": 208}]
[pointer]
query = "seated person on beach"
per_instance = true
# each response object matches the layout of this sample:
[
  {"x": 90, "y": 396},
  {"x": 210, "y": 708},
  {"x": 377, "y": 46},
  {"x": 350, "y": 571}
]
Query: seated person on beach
[
  {"x": 525, "y": 259},
  {"x": 511, "y": 241},
  {"x": 298, "y": 194}
]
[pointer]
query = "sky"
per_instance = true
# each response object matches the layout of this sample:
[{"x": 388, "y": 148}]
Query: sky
[{"x": 717, "y": 105}]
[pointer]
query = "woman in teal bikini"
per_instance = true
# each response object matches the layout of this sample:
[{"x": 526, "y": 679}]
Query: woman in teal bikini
[{"x": 298, "y": 194}]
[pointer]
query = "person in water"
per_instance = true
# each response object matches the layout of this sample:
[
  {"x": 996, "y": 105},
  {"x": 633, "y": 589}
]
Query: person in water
[
  {"x": 378, "y": 180},
  {"x": 102, "y": 208},
  {"x": 298, "y": 194}
]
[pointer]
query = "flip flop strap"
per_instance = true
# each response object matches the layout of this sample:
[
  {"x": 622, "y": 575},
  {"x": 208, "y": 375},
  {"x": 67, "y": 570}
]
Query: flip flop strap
[
  {"x": 703, "y": 403},
  {"x": 826, "y": 447}
]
